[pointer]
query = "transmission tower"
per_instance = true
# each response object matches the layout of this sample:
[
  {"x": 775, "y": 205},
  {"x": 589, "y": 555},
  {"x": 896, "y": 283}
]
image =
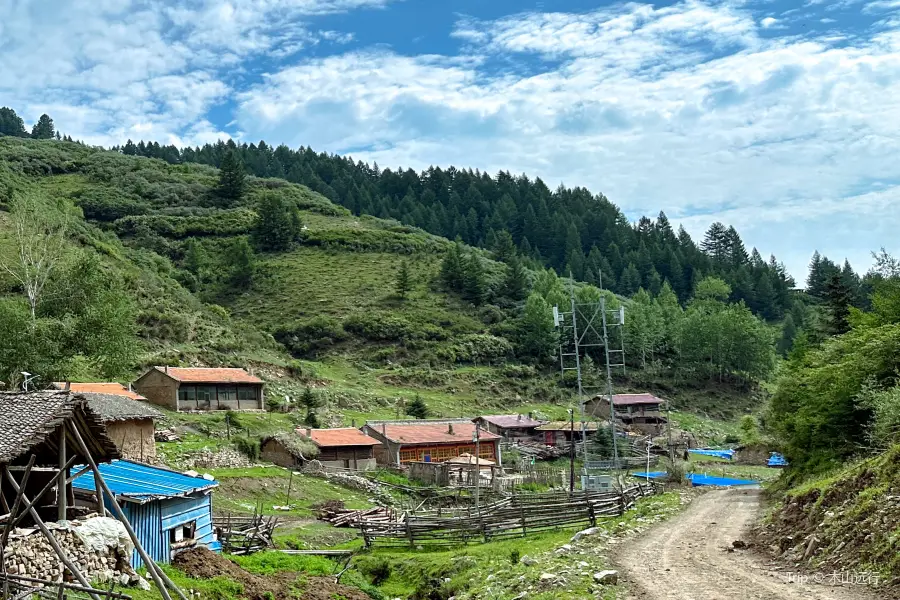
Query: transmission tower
[{"x": 582, "y": 327}]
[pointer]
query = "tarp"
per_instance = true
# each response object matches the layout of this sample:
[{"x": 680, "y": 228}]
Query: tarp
[
  {"x": 777, "y": 460},
  {"x": 101, "y": 533},
  {"x": 697, "y": 479},
  {"x": 726, "y": 454},
  {"x": 651, "y": 475}
]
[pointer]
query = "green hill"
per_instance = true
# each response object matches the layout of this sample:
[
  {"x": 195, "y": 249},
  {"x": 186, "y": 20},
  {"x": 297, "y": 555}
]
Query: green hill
[{"x": 175, "y": 272}]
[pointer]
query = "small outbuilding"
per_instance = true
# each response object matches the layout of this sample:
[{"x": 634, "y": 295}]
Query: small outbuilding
[
  {"x": 556, "y": 433},
  {"x": 196, "y": 388},
  {"x": 642, "y": 412},
  {"x": 169, "y": 511},
  {"x": 429, "y": 440},
  {"x": 288, "y": 449},
  {"x": 344, "y": 448},
  {"x": 130, "y": 421},
  {"x": 511, "y": 427}
]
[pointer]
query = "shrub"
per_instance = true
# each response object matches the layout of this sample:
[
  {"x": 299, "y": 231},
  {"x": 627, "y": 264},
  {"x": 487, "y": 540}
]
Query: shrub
[
  {"x": 307, "y": 338},
  {"x": 102, "y": 204},
  {"x": 219, "y": 223},
  {"x": 377, "y": 569},
  {"x": 514, "y": 556},
  {"x": 248, "y": 447}
]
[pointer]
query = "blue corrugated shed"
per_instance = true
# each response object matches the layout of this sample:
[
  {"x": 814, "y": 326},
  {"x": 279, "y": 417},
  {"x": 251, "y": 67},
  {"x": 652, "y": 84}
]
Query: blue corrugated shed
[{"x": 156, "y": 501}]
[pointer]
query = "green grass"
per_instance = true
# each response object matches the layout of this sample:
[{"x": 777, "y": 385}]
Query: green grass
[{"x": 241, "y": 491}]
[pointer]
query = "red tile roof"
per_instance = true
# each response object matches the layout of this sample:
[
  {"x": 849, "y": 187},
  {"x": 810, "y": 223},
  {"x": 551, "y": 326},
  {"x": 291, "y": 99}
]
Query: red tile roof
[
  {"x": 206, "y": 375},
  {"x": 424, "y": 432},
  {"x": 511, "y": 421},
  {"x": 345, "y": 436},
  {"x": 113, "y": 389},
  {"x": 635, "y": 399}
]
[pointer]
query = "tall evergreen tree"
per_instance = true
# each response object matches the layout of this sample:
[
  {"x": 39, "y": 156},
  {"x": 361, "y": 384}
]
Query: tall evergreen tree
[
  {"x": 453, "y": 268},
  {"x": 630, "y": 280},
  {"x": 231, "y": 178},
  {"x": 241, "y": 262},
  {"x": 838, "y": 300},
  {"x": 515, "y": 284},
  {"x": 716, "y": 243},
  {"x": 278, "y": 226},
  {"x": 504, "y": 247},
  {"x": 403, "y": 283},
  {"x": 474, "y": 281},
  {"x": 11, "y": 124},
  {"x": 43, "y": 129}
]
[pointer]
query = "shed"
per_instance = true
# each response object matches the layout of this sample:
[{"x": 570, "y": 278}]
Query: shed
[
  {"x": 511, "y": 427},
  {"x": 643, "y": 412},
  {"x": 555, "y": 433},
  {"x": 129, "y": 422},
  {"x": 344, "y": 447},
  {"x": 287, "y": 450},
  {"x": 41, "y": 423},
  {"x": 169, "y": 511},
  {"x": 196, "y": 388},
  {"x": 429, "y": 440}
]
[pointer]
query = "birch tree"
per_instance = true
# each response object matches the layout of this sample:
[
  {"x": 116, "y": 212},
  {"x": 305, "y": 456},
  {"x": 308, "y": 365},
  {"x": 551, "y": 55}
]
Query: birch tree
[{"x": 38, "y": 244}]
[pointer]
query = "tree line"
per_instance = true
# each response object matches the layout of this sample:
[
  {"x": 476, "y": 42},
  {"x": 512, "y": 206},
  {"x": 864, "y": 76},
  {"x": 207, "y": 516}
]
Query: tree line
[{"x": 11, "y": 124}]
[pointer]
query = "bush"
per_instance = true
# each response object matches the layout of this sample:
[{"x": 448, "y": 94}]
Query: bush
[
  {"x": 108, "y": 205},
  {"x": 377, "y": 569},
  {"x": 308, "y": 338},
  {"x": 248, "y": 447},
  {"x": 514, "y": 556},
  {"x": 216, "y": 223}
]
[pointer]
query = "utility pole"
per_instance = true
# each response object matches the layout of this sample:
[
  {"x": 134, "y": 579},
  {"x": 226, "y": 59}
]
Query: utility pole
[
  {"x": 669, "y": 434},
  {"x": 649, "y": 444},
  {"x": 477, "y": 439},
  {"x": 572, "y": 451},
  {"x": 609, "y": 386}
]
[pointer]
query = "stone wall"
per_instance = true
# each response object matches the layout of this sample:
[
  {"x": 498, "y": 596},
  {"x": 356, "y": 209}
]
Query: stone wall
[{"x": 99, "y": 551}]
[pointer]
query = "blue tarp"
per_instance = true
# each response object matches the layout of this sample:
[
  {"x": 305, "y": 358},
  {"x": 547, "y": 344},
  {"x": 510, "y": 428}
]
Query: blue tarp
[
  {"x": 777, "y": 460},
  {"x": 697, "y": 479},
  {"x": 726, "y": 454}
]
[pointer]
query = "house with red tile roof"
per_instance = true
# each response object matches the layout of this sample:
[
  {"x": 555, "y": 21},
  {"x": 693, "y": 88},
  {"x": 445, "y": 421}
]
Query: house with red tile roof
[
  {"x": 430, "y": 440},
  {"x": 511, "y": 427},
  {"x": 345, "y": 447},
  {"x": 199, "y": 388}
]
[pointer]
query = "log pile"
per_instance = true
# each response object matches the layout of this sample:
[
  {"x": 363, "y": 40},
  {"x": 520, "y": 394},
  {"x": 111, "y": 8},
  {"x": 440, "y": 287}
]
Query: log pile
[
  {"x": 347, "y": 517},
  {"x": 541, "y": 451},
  {"x": 245, "y": 535}
]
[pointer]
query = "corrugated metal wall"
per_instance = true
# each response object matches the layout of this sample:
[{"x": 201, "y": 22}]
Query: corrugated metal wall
[{"x": 153, "y": 520}]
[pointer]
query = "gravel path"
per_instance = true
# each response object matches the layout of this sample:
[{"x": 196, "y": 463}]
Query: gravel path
[{"x": 685, "y": 558}]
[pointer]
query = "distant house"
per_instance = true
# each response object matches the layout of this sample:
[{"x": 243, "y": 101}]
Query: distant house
[
  {"x": 194, "y": 388},
  {"x": 346, "y": 447},
  {"x": 287, "y": 450},
  {"x": 169, "y": 511},
  {"x": 556, "y": 433},
  {"x": 511, "y": 427},
  {"x": 643, "y": 412},
  {"x": 429, "y": 440},
  {"x": 130, "y": 423}
]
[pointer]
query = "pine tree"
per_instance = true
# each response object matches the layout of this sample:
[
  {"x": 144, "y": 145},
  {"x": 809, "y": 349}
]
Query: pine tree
[
  {"x": 403, "y": 283},
  {"x": 837, "y": 298},
  {"x": 535, "y": 333},
  {"x": 715, "y": 242},
  {"x": 630, "y": 280},
  {"x": 11, "y": 124},
  {"x": 43, "y": 129},
  {"x": 278, "y": 226},
  {"x": 453, "y": 268},
  {"x": 504, "y": 247},
  {"x": 515, "y": 285},
  {"x": 196, "y": 259},
  {"x": 788, "y": 333},
  {"x": 231, "y": 178},
  {"x": 417, "y": 408},
  {"x": 474, "y": 282},
  {"x": 241, "y": 262}
]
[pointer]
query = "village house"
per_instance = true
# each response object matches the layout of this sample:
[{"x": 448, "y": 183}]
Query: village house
[
  {"x": 345, "y": 447},
  {"x": 41, "y": 423},
  {"x": 641, "y": 412},
  {"x": 194, "y": 388},
  {"x": 129, "y": 420},
  {"x": 511, "y": 427},
  {"x": 288, "y": 449},
  {"x": 429, "y": 440},
  {"x": 558, "y": 433},
  {"x": 168, "y": 511}
]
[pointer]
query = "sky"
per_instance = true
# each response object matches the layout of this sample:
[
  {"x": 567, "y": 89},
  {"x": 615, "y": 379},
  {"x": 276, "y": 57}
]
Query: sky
[{"x": 779, "y": 117}]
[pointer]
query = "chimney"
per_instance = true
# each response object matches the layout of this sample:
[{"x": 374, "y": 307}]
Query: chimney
[
  {"x": 129, "y": 387},
  {"x": 384, "y": 430},
  {"x": 353, "y": 423},
  {"x": 167, "y": 369},
  {"x": 309, "y": 433},
  {"x": 68, "y": 386},
  {"x": 518, "y": 417},
  {"x": 450, "y": 428},
  {"x": 250, "y": 370},
  {"x": 530, "y": 415}
]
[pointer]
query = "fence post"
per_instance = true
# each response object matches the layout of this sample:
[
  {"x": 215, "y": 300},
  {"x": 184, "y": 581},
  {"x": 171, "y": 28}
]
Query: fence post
[
  {"x": 621, "y": 503},
  {"x": 409, "y": 531},
  {"x": 522, "y": 511},
  {"x": 592, "y": 514}
]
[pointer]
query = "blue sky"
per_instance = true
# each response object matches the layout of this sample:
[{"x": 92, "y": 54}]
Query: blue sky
[{"x": 780, "y": 118}]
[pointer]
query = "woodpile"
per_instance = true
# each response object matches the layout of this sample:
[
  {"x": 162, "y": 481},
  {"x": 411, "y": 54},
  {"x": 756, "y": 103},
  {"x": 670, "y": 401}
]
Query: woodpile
[
  {"x": 245, "y": 535},
  {"x": 348, "y": 517},
  {"x": 541, "y": 451},
  {"x": 166, "y": 435}
]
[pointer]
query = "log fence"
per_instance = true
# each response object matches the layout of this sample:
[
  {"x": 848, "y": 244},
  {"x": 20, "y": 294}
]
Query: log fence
[{"x": 516, "y": 516}]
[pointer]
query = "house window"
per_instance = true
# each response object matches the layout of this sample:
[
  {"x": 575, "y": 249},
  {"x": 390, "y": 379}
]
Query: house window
[
  {"x": 183, "y": 533},
  {"x": 206, "y": 394},
  {"x": 247, "y": 392}
]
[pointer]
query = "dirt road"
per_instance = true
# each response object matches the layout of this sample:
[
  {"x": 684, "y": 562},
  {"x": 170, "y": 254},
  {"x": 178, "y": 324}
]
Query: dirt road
[{"x": 685, "y": 558}]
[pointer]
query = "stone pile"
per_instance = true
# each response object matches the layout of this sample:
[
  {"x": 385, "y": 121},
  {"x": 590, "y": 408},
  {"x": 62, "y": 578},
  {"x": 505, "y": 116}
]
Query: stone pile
[
  {"x": 29, "y": 554},
  {"x": 215, "y": 459}
]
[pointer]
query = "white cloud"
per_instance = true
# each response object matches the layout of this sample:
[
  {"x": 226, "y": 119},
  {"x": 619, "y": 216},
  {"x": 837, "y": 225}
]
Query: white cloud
[
  {"x": 768, "y": 22},
  {"x": 685, "y": 109}
]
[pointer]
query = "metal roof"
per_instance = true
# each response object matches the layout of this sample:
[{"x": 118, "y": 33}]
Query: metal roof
[
  {"x": 338, "y": 437},
  {"x": 137, "y": 482},
  {"x": 511, "y": 421},
  {"x": 414, "y": 431},
  {"x": 634, "y": 399},
  {"x": 116, "y": 389}
]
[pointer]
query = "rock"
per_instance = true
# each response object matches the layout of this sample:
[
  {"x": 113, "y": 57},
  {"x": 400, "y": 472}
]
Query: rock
[
  {"x": 563, "y": 549},
  {"x": 545, "y": 577},
  {"x": 811, "y": 547},
  {"x": 208, "y": 477},
  {"x": 143, "y": 584},
  {"x": 528, "y": 561},
  {"x": 585, "y": 533},
  {"x": 583, "y": 564},
  {"x": 124, "y": 579},
  {"x": 739, "y": 544},
  {"x": 607, "y": 577}
]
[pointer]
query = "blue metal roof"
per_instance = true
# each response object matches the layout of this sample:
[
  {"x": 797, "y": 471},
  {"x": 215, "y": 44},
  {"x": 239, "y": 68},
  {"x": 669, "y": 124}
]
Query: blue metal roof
[{"x": 138, "y": 482}]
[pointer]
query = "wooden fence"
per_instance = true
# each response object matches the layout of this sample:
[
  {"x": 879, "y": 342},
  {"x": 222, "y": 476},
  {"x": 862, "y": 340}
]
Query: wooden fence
[{"x": 511, "y": 517}]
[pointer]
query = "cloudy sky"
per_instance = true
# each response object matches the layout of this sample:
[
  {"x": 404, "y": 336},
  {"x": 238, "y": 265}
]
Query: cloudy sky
[{"x": 780, "y": 117}]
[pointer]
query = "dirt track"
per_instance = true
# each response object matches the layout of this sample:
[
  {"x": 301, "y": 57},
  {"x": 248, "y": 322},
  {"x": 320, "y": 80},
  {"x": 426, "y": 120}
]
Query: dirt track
[{"x": 685, "y": 558}]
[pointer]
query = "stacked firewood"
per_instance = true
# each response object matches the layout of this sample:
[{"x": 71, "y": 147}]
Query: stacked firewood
[
  {"x": 541, "y": 451},
  {"x": 338, "y": 516}
]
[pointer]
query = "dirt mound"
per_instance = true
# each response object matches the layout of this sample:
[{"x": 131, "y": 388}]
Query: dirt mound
[{"x": 201, "y": 563}]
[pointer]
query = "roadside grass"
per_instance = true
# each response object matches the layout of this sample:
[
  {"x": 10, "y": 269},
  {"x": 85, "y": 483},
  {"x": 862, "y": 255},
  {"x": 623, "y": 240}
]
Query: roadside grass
[{"x": 708, "y": 431}]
